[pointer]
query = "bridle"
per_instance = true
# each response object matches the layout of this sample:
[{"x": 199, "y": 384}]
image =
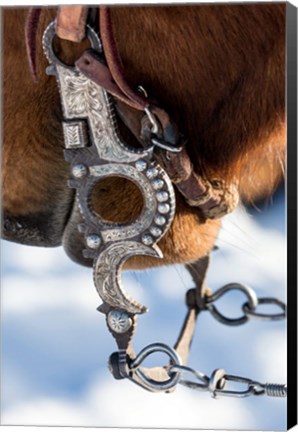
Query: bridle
[{"x": 95, "y": 150}]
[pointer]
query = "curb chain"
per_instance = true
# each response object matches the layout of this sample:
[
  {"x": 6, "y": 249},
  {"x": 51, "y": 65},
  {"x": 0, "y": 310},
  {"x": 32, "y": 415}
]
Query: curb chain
[{"x": 219, "y": 383}]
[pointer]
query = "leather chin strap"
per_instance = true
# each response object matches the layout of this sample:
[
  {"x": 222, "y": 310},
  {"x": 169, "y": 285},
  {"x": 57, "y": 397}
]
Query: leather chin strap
[{"x": 214, "y": 198}]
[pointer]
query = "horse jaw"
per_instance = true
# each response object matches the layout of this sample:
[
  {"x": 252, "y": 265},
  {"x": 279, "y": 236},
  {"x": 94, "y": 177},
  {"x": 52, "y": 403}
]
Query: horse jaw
[
  {"x": 189, "y": 237},
  {"x": 72, "y": 241}
]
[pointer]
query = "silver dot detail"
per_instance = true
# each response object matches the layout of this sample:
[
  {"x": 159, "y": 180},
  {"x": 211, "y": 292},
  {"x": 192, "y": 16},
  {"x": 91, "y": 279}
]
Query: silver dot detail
[
  {"x": 147, "y": 239},
  {"x": 141, "y": 165},
  {"x": 162, "y": 196},
  {"x": 157, "y": 184},
  {"x": 79, "y": 171},
  {"x": 155, "y": 231},
  {"x": 119, "y": 321},
  {"x": 151, "y": 173},
  {"x": 93, "y": 241},
  {"x": 160, "y": 220},
  {"x": 163, "y": 208}
]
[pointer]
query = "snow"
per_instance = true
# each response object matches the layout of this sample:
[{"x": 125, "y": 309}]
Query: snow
[{"x": 55, "y": 345}]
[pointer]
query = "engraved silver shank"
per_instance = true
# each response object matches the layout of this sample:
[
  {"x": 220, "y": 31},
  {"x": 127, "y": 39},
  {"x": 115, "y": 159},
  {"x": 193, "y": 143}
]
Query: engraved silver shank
[{"x": 96, "y": 151}]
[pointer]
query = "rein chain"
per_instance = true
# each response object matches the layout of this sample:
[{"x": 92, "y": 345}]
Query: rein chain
[{"x": 95, "y": 150}]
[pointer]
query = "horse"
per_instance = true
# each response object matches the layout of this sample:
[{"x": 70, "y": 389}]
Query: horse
[{"x": 219, "y": 70}]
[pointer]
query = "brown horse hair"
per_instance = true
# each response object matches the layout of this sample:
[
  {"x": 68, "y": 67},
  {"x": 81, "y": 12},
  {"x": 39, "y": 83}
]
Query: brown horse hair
[{"x": 219, "y": 70}]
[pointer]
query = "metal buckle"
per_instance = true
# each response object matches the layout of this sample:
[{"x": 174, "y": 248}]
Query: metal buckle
[
  {"x": 166, "y": 145},
  {"x": 155, "y": 140}
]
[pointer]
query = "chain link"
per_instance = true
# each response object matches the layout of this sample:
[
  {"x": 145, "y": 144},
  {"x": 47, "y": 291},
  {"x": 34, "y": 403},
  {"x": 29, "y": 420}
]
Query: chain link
[
  {"x": 203, "y": 379},
  {"x": 249, "y": 308},
  {"x": 219, "y": 383},
  {"x": 149, "y": 382},
  {"x": 262, "y": 316}
]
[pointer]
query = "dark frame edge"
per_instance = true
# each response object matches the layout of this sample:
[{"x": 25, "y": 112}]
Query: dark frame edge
[{"x": 291, "y": 88}]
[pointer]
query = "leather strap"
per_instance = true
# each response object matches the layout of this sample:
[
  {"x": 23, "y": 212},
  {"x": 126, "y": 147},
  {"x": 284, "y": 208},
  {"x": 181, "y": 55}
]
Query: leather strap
[
  {"x": 71, "y": 22},
  {"x": 30, "y": 38},
  {"x": 214, "y": 198},
  {"x": 195, "y": 304},
  {"x": 70, "y": 25},
  {"x": 113, "y": 58},
  {"x": 102, "y": 75}
]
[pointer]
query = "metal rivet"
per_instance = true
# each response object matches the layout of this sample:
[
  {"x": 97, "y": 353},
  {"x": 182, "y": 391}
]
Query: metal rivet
[
  {"x": 93, "y": 241},
  {"x": 155, "y": 231},
  {"x": 163, "y": 208},
  {"x": 119, "y": 321},
  {"x": 141, "y": 165},
  {"x": 147, "y": 239},
  {"x": 79, "y": 171},
  {"x": 160, "y": 220},
  {"x": 157, "y": 184},
  {"x": 162, "y": 196},
  {"x": 152, "y": 172}
]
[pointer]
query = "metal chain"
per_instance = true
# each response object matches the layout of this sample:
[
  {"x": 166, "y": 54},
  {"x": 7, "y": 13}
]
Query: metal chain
[
  {"x": 219, "y": 382},
  {"x": 249, "y": 308},
  {"x": 216, "y": 384},
  {"x": 219, "y": 379}
]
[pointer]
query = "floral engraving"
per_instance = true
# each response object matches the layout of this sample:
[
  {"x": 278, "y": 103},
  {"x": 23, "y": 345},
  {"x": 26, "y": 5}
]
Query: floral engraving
[
  {"x": 107, "y": 274},
  {"x": 82, "y": 98}
]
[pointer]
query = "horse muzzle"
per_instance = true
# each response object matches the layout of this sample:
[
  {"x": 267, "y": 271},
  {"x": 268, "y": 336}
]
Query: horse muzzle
[{"x": 36, "y": 230}]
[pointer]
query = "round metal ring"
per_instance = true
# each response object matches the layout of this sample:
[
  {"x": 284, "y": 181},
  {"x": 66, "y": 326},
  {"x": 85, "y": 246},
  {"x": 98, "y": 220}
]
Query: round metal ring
[
  {"x": 252, "y": 302},
  {"x": 135, "y": 229},
  {"x": 149, "y": 382},
  {"x": 153, "y": 121},
  {"x": 197, "y": 374},
  {"x": 217, "y": 381},
  {"x": 262, "y": 316},
  {"x": 48, "y": 37}
]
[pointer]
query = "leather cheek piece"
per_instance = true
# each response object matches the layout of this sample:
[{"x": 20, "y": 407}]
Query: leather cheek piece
[{"x": 71, "y": 22}]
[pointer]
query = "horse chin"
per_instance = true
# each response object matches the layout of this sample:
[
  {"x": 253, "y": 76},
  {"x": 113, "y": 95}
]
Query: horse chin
[{"x": 41, "y": 229}]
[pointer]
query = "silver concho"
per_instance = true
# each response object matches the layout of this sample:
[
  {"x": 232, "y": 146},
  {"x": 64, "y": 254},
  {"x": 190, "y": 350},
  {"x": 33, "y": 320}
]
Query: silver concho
[
  {"x": 79, "y": 170},
  {"x": 93, "y": 241},
  {"x": 96, "y": 151},
  {"x": 119, "y": 321}
]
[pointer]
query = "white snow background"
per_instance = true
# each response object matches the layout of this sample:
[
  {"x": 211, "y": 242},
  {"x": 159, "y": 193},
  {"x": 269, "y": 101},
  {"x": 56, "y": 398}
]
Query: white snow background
[{"x": 55, "y": 345}]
